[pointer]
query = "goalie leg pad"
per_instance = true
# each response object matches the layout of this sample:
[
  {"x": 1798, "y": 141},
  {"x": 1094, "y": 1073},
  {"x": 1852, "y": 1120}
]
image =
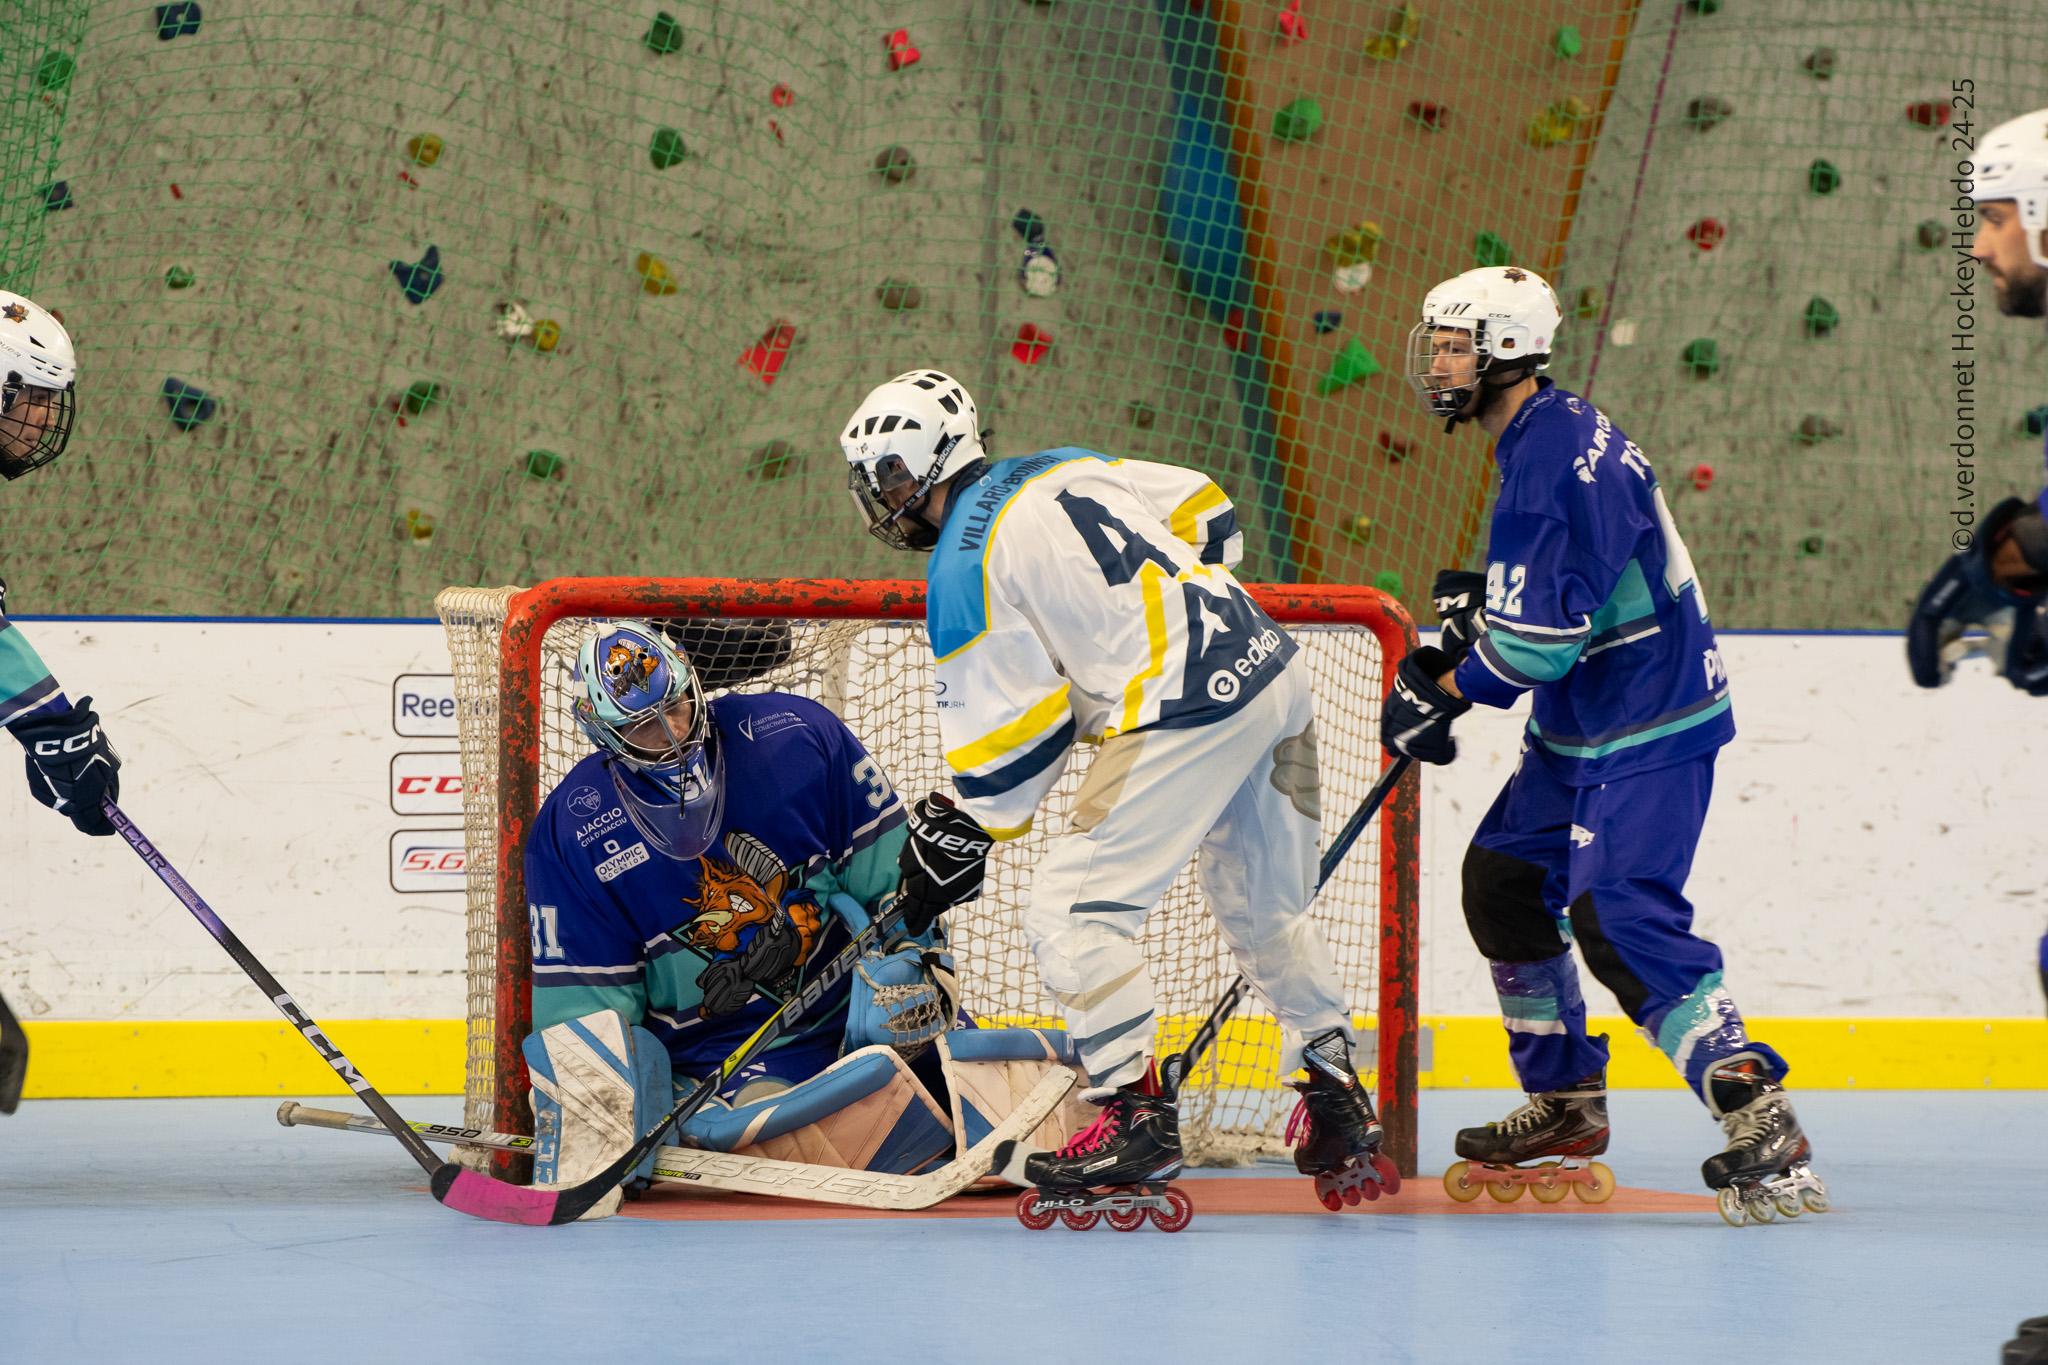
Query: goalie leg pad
[
  {"x": 866, "y": 1112},
  {"x": 989, "y": 1071},
  {"x": 598, "y": 1084}
]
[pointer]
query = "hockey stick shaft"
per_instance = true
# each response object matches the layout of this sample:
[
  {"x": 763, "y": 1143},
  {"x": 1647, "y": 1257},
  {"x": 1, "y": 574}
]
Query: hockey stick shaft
[
  {"x": 482, "y": 1196},
  {"x": 267, "y": 983},
  {"x": 292, "y": 1114},
  {"x": 1234, "y": 994}
]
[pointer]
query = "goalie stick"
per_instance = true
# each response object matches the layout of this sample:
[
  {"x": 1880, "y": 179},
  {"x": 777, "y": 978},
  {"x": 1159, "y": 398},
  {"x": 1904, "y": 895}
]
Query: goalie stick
[
  {"x": 1182, "y": 1064},
  {"x": 764, "y": 1175}
]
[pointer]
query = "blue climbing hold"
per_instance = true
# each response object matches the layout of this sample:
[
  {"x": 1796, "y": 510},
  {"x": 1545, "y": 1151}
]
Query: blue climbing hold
[
  {"x": 177, "y": 20},
  {"x": 1328, "y": 320},
  {"x": 189, "y": 405},
  {"x": 57, "y": 197},
  {"x": 419, "y": 281}
]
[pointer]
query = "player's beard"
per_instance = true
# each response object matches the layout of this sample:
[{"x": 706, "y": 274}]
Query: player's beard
[{"x": 2024, "y": 295}]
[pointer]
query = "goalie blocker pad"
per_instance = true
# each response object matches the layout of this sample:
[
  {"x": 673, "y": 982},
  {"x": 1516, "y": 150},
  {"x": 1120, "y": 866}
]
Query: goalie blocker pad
[{"x": 598, "y": 1084}]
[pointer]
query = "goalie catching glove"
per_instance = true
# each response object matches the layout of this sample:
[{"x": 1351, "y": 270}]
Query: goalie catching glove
[
  {"x": 1417, "y": 720},
  {"x": 942, "y": 862},
  {"x": 71, "y": 767}
]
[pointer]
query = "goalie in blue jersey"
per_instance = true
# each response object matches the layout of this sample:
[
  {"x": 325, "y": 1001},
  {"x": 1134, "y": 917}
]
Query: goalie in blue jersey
[
  {"x": 71, "y": 766},
  {"x": 1589, "y": 604},
  {"x": 682, "y": 880}
]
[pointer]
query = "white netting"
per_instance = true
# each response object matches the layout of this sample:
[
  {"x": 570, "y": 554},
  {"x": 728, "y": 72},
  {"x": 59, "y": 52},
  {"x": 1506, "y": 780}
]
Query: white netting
[{"x": 876, "y": 675}]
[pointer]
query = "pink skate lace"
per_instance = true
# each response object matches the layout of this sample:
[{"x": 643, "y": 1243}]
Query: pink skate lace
[
  {"x": 1298, "y": 1124},
  {"x": 1093, "y": 1136}
]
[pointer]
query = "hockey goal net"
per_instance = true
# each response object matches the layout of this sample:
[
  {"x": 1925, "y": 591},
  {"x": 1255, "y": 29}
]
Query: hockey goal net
[{"x": 859, "y": 647}]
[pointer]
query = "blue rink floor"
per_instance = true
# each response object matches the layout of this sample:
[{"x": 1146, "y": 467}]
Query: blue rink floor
[{"x": 198, "y": 1230}]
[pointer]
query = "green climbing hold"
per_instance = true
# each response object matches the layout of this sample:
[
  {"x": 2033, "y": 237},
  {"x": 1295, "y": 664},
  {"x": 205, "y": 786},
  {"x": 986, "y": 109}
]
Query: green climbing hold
[
  {"x": 1388, "y": 582},
  {"x": 1590, "y": 301},
  {"x": 1927, "y": 236},
  {"x": 1489, "y": 249},
  {"x": 544, "y": 464},
  {"x": 1566, "y": 42},
  {"x": 664, "y": 35},
  {"x": 1812, "y": 545},
  {"x": 2036, "y": 421},
  {"x": 1703, "y": 357},
  {"x": 1821, "y": 317},
  {"x": 1350, "y": 365},
  {"x": 667, "y": 148},
  {"x": 55, "y": 70},
  {"x": 1814, "y": 428},
  {"x": 178, "y": 277},
  {"x": 420, "y": 396},
  {"x": 1822, "y": 177},
  {"x": 1704, "y": 7},
  {"x": 1296, "y": 120}
]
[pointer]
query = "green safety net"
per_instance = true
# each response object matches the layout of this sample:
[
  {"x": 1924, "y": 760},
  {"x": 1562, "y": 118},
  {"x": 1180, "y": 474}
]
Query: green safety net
[{"x": 375, "y": 298}]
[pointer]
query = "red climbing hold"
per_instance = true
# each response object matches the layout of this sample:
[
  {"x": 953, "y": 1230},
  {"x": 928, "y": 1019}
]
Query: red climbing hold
[
  {"x": 1928, "y": 114},
  {"x": 1293, "y": 28},
  {"x": 780, "y": 96},
  {"x": 1397, "y": 448},
  {"x": 765, "y": 356},
  {"x": 1031, "y": 344},
  {"x": 1702, "y": 477},
  {"x": 901, "y": 53},
  {"x": 1706, "y": 234},
  {"x": 177, "y": 193},
  {"x": 1233, "y": 330},
  {"x": 1430, "y": 116}
]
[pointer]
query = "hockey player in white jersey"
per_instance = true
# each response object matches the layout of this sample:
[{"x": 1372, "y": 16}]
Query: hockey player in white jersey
[{"x": 1072, "y": 596}]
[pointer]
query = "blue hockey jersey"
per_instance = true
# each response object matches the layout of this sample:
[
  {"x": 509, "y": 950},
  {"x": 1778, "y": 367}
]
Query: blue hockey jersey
[
  {"x": 1592, "y": 603},
  {"x": 27, "y": 691},
  {"x": 809, "y": 818}
]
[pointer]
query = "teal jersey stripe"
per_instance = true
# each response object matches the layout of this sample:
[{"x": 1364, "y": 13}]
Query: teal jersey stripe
[
  {"x": 1654, "y": 731},
  {"x": 1541, "y": 662},
  {"x": 956, "y": 589},
  {"x": 1630, "y": 600}
]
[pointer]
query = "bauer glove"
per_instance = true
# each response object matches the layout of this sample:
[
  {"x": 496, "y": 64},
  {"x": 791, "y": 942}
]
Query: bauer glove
[{"x": 942, "y": 863}]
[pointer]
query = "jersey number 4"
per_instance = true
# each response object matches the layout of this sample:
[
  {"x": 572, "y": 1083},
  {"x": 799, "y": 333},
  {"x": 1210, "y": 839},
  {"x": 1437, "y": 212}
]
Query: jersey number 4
[{"x": 1120, "y": 552}]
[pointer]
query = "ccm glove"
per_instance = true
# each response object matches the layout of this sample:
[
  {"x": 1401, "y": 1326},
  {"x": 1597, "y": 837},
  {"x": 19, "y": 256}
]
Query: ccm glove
[
  {"x": 1963, "y": 594},
  {"x": 1460, "y": 597},
  {"x": 71, "y": 767},
  {"x": 1417, "y": 720},
  {"x": 942, "y": 862}
]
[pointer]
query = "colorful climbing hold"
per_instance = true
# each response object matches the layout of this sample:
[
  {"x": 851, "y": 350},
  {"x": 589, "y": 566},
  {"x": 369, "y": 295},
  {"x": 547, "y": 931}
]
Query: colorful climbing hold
[
  {"x": 2035, "y": 423},
  {"x": 1589, "y": 302},
  {"x": 664, "y": 35},
  {"x": 1813, "y": 545},
  {"x": 1355, "y": 245},
  {"x": 1702, "y": 477},
  {"x": 1820, "y": 63},
  {"x": 1703, "y": 357},
  {"x": 1821, "y": 317},
  {"x": 1707, "y": 233},
  {"x": 895, "y": 164},
  {"x": 653, "y": 272},
  {"x": 1623, "y": 332},
  {"x": 1031, "y": 344},
  {"x": 901, "y": 53},
  {"x": 771, "y": 461},
  {"x": 421, "y": 280},
  {"x": 1396, "y": 448},
  {"x": 1489, "y": 249},
  {"x": 424, "y": 149},
  {"x": 1928, "y": 114},
  {"x": 1233, "y": 330},
  {"x": 1822, "y": 177},
  {"x": 1388, "y": 582},
  {"x": 1558, "y": 122},
  {"x": 545, "y": 464},
  {"x": 55, "y": 70},
  {"x": 1298, "y": 119},
  {"x": 1813, "y": 429},
  {"x": 1029, "y": 226},
  {"x": 178, "y": 277},
  {"x": 1431, "y": 116},
  {"x": 1704, "y": 7},
  {"x": 189, "y": 405},
  {"x": 1293, "y": 28},
  {"x": 765, "y": 357},
  {"x": 57, "y": 197},
  {"x": 1565, "y": 42},
  {"x": 1357, "y": 530},
  {"x": 421, "y": 396},
  {"x": 1927, "y": 236},
  {"x": 1328, "y": 320},
  {"x": 666, "y": 149},
  {"x": 899, "y": 296},
  {"x": 1351, "y": 279},
  {"x": 545, "y": 335},
  {"x": 419, "y": 526},
  {"x": 1400, "y": 29},
  {"x": 177, "y": 20},
  {"x": 1039, "y": 274},
  {"x": 1143, "y": 414},
  {"x": 1347, "y": 367},
  {"x": 781, "y": 96},
  {"x": 1708, "y": 111}
]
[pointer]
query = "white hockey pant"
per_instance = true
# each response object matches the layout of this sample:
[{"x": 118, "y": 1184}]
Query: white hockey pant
[{"x": 1245, "y": 792}]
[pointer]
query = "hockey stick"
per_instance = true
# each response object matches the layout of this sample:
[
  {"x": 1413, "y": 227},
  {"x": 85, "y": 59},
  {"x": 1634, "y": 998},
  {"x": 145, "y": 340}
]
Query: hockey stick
[
  {"x": 765, "y": 1175},
  {"x": 13, "y": 1059},
  {"x": 1181, "y": 1065}
]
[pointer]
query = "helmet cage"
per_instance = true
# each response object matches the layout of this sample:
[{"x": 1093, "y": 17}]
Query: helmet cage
[
  {"x": 25, "y": 448},
  {"x": 892, "y": 520},
  {"x": 671, "y": 782}
]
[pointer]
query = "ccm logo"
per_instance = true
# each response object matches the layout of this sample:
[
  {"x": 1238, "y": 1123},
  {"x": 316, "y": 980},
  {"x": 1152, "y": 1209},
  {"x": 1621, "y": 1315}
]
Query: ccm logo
[
  {"x": 50, "y": 748},
  {"x": 426, "y": 784}
]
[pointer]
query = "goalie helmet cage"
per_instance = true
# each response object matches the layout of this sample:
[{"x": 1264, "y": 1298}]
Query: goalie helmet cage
[{"x": 859, "y": 648}]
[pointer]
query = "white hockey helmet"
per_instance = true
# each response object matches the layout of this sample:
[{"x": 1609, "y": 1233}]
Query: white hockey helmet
[
  {"x": 906, "y": 438},
  {"x": 2012, "y": 163},
  {"x": 1512, "y": 316},
  {"x": 38, "y": 373}
]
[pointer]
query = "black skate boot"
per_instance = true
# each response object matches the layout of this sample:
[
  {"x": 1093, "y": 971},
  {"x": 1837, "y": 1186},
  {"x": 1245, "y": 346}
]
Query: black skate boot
[
  {"x": 1335, "y": 1133},
  {"x": 1557, "y": 1129},
  {"x": 1117, "y": 1166},
  {"x": 1765, "y": 1167}
]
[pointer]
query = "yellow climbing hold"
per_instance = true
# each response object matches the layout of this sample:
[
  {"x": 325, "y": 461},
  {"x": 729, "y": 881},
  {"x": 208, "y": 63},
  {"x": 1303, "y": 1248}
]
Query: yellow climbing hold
[
  {"x": 1358, "y": 244},
  {"x": 654, "y": 276},
  {"x": 1402, "y": 26},
  {"x": 1558, "y": 123}
]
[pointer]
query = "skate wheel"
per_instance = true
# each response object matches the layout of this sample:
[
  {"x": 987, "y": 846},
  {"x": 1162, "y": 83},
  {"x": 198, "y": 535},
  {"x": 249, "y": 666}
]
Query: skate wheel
[
  {"x": 1031, "y": 1216},
  {"x": 1504, "y": 1191},
  {"x": 1759, "y": 1207},
  {"x": 1458, "y": 1183},
  {"x": 1787, "y": 1205},
  {"x": 1080, "y": 1220},
  {"x": 1389, "y": 1174},
  {"x": 1329, "y": 1198},
  {"x": 1182, "y": 1213},
  {"x": 1125, "y": 1220},
  {"x": 1816, "y": 1201},
  {"x": 1598, "y": 1186},
  {"x": 1548, "y": 1187},
  {"x": 1730, "y": 1205}
]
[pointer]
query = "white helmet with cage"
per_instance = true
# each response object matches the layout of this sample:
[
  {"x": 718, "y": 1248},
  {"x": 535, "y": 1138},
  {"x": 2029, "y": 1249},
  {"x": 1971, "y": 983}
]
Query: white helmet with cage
[
  {"x": 906, "y": 438},
  {"x": 2012, "y": 163},
  {"x": 639, "y": 700},
  {"x": 1511, "y": 316},
  {"x": 38, "y": 374}
]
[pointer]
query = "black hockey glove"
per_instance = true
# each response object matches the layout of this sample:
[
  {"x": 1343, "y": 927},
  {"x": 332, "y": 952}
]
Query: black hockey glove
[
  {"x": 71, "y": 767},
  {"x": 942, "y": 862},
  {"x": 1963, "y": 594},
  {"x": 1460, "y": 598},
  {"x": 1417, "y": 721},
  {"x": 767, "y": 962}
]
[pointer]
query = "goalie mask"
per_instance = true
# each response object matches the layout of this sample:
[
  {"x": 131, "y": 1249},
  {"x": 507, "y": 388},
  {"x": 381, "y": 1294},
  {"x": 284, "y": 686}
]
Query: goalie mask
[
  {"x": 639, "y": 700},
  {"x": 906, "y": 438},
  {"x": 38, "y": 371},
  {"x": 1485, "y": 330}
]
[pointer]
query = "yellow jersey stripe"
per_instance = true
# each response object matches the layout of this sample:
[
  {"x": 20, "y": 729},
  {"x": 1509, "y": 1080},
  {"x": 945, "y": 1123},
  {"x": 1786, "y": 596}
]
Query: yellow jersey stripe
[
  {"x": 1185, "y": 516},
  {"x": 1149, "y": 577},
  {"x": 1015, "y": 735}
]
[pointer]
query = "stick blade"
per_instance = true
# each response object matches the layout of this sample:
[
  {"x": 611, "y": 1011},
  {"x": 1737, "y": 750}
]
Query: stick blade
[{"x": 494, "y": 1201}]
